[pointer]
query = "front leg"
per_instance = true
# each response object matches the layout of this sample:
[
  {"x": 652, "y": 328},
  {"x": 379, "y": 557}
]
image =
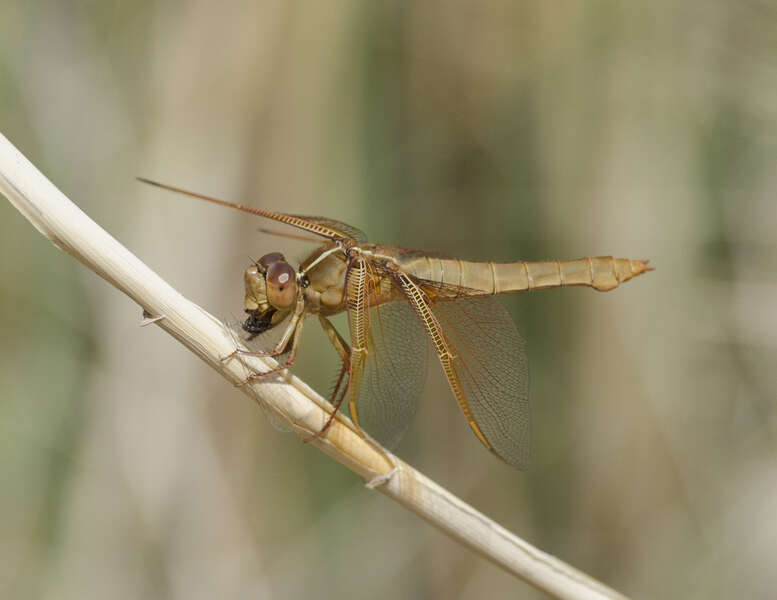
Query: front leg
[
  {"x": 297, "y": 332},
  {"x": 290, "y": 336},
  {"x": 280, "y": 347}
]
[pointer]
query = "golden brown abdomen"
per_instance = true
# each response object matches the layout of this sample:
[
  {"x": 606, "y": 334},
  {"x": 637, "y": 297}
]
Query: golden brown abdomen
[{"x": 602, "y": 273}]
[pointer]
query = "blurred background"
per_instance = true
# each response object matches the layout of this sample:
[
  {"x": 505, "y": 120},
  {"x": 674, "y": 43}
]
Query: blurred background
[{"x": 486, "y": 130}]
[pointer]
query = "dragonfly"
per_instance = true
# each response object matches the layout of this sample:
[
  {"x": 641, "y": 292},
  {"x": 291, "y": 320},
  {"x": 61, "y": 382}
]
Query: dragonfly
[{"x": 399, "y": 302}]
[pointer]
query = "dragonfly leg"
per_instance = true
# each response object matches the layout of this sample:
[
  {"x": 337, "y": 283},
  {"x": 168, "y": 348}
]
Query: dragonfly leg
[
  {"x": 341, "y": 346},
  {"x": 323, "y": 256},
  {"x": 335, "y": 402},
  {"x": 291, "y": 335},
  {"x": 239, "y": 352},
  {"x": 283, "y": 366},
  {"x": 277, "y": 351},
  {"x": 280, "y": 347}
]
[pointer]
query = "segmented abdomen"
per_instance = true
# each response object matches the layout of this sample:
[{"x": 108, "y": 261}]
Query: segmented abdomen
[{"x": 602, "y": 273}]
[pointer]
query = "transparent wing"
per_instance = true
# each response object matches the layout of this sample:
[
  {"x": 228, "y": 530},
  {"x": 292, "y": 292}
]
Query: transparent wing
[
  {"x": 437, "y": 290},
  {"x": 490, "y": 361},
  {"x": 395, "y": 372},
  {"x": 346, "y": 230},
  {"x": 317, "y": 225}
]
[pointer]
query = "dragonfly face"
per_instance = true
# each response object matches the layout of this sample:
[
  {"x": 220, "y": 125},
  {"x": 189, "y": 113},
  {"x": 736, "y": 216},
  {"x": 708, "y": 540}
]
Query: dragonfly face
[{"x": 271, "y": 292}]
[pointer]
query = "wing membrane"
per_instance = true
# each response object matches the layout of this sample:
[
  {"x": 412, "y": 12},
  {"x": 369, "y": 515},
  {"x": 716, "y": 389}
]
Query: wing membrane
[
  {"x": 490, "y": 362},
  {"x": 328, "y": 228},
  {"x": 347, "y": 231},
  {"x": 395, "y": 372}
]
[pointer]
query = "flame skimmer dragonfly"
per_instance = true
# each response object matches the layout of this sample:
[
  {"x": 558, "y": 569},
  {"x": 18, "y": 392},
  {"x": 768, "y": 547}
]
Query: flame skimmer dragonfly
[{"x": 396, "y": 299}]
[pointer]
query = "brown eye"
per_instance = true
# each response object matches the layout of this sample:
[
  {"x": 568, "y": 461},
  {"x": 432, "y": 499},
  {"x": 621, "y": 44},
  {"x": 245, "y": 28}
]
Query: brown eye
[
  {"x": 269, "y": 259},
  {"x": 281, "y": 285}
]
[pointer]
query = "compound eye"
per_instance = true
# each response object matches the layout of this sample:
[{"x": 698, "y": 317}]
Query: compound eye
[
  {"x": 281, "y": 285},
  {"x": 269, "y": 259}
]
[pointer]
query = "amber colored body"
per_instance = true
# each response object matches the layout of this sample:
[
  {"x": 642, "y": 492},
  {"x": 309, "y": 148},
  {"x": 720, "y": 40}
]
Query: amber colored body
[
  {"x": 397, "y": 299},
  {"x": 326, "y": 293}
]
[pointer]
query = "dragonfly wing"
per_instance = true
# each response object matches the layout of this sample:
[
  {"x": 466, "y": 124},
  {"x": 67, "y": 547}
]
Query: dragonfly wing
[
  {"x": 321, "y": 226},
  {"x": 346, "y": 231},
  {"x": 490, "y": 362},
  {"x": 395, "y": 372}
]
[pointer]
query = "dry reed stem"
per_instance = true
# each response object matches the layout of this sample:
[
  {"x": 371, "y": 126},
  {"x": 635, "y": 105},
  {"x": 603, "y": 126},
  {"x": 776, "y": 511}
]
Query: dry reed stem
[{"x": 285, "y": 397}]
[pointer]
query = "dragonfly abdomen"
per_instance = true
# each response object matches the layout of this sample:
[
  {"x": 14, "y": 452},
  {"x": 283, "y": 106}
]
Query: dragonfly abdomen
[
  {"x": 602, "y": 273},
  {"x": 462, "y": 278}
]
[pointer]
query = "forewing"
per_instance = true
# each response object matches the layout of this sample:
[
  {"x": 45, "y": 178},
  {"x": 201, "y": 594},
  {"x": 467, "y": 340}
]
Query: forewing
[
  {"x": 395, "y": 372},
  {"x": 490, "y": 362},
  {"x": 347, "y": 231},
  {"x": 321, "y": 226}
]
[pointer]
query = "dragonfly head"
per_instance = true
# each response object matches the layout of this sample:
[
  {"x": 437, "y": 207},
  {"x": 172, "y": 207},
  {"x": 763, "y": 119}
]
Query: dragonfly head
[{"x": 271, "y": 292}]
